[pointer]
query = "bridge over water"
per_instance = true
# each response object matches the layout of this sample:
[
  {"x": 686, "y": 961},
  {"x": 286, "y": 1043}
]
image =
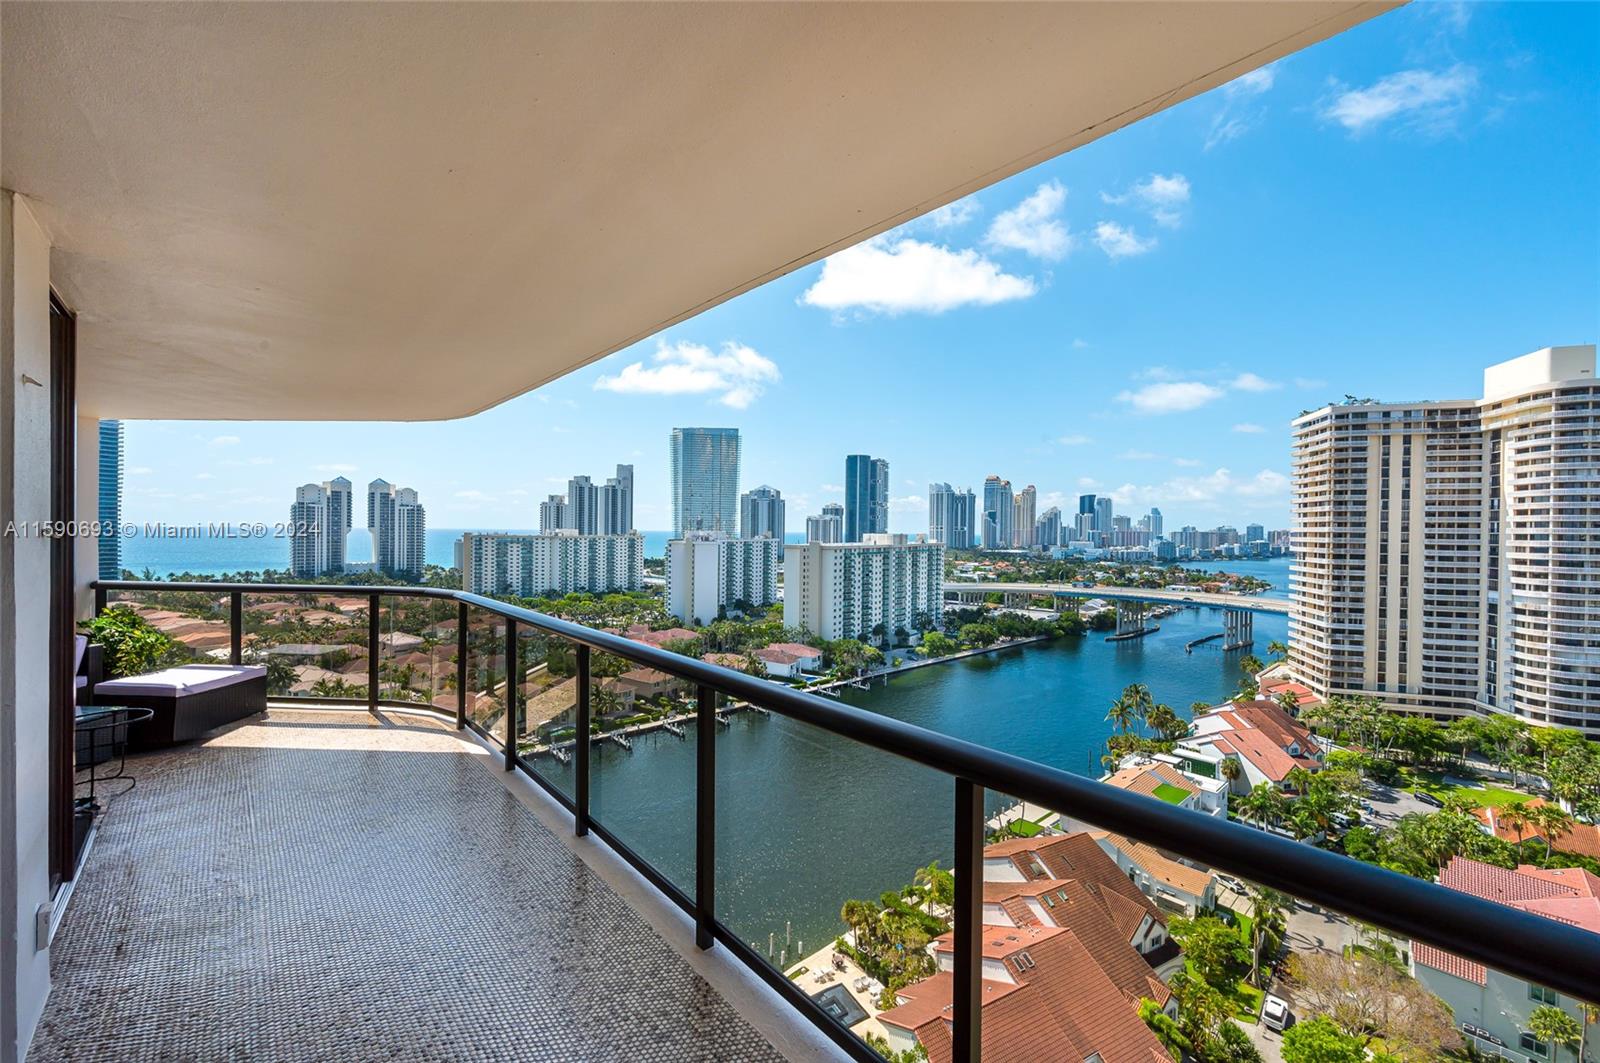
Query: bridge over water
[{"x": 1132, "y": 604}]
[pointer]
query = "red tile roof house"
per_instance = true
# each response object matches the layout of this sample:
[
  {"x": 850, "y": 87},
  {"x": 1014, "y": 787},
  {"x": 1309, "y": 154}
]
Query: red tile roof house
[
  {"x": 1581, "y": 838},
  {"x": 1267, "y": 742},
  {"x": 1070, "y": 947},
  {"x": 1491, "y": 1008},
  {"x": 785, "y": 659}
]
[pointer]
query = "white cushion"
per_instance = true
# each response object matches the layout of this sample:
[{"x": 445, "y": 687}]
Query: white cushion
[{"x": 177, "y": 682}]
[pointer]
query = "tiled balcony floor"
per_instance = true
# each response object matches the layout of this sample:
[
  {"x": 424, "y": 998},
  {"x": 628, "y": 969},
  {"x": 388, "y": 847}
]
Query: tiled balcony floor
[{"x": 321, "y": 886}]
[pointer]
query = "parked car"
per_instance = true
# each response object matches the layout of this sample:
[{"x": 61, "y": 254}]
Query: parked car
[
  {"x": 1428, "y": 799},
  {"x": 1275, "y": 1013}
]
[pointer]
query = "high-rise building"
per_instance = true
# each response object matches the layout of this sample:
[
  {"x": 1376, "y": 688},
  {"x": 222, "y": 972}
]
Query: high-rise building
[
  {"x": 561, "y": 562},
  {"x": 952, "y": 516},
  {"x": 1255, "y": 533},
  {"x": 1086, "y": 504},
  {"x": 1155, "y": 528},
  {"x": 708, "y": 575},
  {"x": 1024, "y": 511},
  {"x": 705, "y": 480},
  {"x": 616, "y": 503},
  {"x": 555, "y": 515},
  {"x": 1047, "y": 529},
  {"x": 827, "y": 528},
  {"x": 998, "y": 509},
  {"x": 109, "y": 543},
  {"x": 1446, "y": 553},
  {"x": 866, "y": 496},
  {"x": 1083, "y": 526},
  {"x": 880, "y": 590},
  {"x": 319, "y": 521},
  {"x": 1103, "y": 515},
  {"x": 398, "y": 524},
  {"x": 761, "y": 514},
  {"x": 583, "y": 505}
]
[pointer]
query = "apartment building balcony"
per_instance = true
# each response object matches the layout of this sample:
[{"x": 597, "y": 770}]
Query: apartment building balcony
[{"x": 393, "y": 212}]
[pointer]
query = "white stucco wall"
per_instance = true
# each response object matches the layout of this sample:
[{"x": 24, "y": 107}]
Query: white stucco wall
[{"x": 24, "y": 622}]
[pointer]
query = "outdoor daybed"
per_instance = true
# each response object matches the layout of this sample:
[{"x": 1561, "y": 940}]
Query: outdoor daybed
[{"x": 188, "y": 701}]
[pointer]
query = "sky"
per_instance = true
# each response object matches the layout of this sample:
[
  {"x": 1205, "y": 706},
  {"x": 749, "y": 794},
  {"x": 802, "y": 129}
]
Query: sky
[{"x": 1382, "y": 215}]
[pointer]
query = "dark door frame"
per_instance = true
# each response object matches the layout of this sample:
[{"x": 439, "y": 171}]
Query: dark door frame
[{"x": 63, "y": 507}]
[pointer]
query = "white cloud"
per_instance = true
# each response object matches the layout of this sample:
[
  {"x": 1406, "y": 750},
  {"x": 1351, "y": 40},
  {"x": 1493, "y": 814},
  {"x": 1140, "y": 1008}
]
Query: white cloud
[
  {"x": 225, "y": 441},
  {"x": 1172, "y": 396},
  {"x": 1425, "y": 100},
  {"x": 1248, "y": 429},
  {"x": 737, "y": 373},
  {"x": 1254, "y": 83},
  {"x": 1212, "y": 489},
  {"x": 833, "y": 488},
  {"x": 204, "y": 476},
  {"x": 1163, "y": 196},
  {"x": 1252, "y": 382},
  {"x": 896, "y": 276},
  {"x": 334, "y": 468},
  {"x": 908, "y": 504},
  {"x": 1034, "y": 226},
  {"x": 1088, "y": 482},
  {"x": 1187, "y": 463},
  {"x": 474, "y": 495},
  {"x": 952, "y": 215},
  {"x": 1118, "y": 242},
  {"x": 1079, "y": 344},
  {"x": 1074, "y": 440}
]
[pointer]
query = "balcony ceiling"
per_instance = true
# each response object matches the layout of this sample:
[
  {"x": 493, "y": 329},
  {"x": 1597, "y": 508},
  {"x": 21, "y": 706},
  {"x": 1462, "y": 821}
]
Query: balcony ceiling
[{"x": 414, "y": 211}]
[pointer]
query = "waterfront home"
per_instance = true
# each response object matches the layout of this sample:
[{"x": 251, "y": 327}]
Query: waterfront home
[
  {"x": 1267, "y": 742},
  {"x": 1174, "y": 884},
  {"x": 786, "y": 659},
  {"x": 647, "y": 683},
  {"x": 1490, "y": 1007}
]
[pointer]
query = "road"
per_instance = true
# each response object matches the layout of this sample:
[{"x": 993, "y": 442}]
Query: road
[{"x": 1251, "y": 603}]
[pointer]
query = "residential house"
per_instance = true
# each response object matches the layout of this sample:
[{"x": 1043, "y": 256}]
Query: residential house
[
  {"x": 1267, "y": 742},
  {"x": 786, "y": 659},
  {"x": 1492, "y": 1008}
]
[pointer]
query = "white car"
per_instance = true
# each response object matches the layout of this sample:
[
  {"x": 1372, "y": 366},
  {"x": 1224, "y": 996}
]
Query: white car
[{"x": 1275, "y": 1013}]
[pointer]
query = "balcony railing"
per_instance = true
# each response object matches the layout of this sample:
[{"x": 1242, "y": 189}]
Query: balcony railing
[{"x": 1540, "y": 950}]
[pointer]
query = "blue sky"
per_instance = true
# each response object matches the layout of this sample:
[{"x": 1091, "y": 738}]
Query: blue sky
[{"x": 1384, "y": 214}]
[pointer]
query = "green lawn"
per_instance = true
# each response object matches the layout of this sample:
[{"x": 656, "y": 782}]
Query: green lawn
[
  {"x": 1245, "y": 1000},
  {"x": 1486, "y": 796},
  {"x": 1172, "y": 795},
  {"x": 1025, "y": 828}
]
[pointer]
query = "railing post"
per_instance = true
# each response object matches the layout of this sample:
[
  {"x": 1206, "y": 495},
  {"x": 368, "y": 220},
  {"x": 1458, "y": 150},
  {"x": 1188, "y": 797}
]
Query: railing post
[
  {"x": 580, "y": 749},
  {"x": 705, "y": 815},
  {"x": 461, "y": 666},
  {"x": 99, "y": 600},
  {"x": 967, "y": 987},
  {"x": 374, "y": 605},
  {"x": 511, "y": 693},
  {"x": 236, "y": 627}
]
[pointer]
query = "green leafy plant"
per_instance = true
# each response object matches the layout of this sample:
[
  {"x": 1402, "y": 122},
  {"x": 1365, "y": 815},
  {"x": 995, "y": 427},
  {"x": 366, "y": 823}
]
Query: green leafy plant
[{"x": 132, "y": 646}]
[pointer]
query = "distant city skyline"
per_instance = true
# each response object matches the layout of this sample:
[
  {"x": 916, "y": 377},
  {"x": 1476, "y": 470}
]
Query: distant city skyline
[{"x": 1141, "y": 319}]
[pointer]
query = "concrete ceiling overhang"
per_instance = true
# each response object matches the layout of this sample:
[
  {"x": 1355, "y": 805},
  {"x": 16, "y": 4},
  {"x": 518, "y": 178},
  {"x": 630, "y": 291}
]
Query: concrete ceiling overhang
[{"x": 417, "y": 211}]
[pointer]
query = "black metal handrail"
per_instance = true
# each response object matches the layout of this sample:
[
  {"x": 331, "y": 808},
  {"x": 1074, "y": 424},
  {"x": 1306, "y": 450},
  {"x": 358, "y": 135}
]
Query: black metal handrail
[{"x": 1542, "y": 951}]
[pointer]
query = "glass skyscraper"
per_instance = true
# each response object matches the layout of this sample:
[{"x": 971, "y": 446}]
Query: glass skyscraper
[
  {"x": 866, "y": 496},
  {"x": 705, "y": 480},
  {"x": 110, "y": 543}
]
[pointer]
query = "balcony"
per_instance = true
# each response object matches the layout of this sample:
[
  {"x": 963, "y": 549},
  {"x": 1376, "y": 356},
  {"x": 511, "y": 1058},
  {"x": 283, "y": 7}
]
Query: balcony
[{"x": 505, "y": 887}]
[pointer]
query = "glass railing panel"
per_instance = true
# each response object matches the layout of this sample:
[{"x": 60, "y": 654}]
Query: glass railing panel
[
  {"x": 848, "y": 898},
  {"x": 547, "y": 704},
  {"x": 486, "y": 672},
  {"x": 1164, "y": 954},
  {"x": 189, "y": 627},
  {"x": 313, "y": 645},
  {"x": 416, "y": 651},
  {"x": 642, "y": 763}
]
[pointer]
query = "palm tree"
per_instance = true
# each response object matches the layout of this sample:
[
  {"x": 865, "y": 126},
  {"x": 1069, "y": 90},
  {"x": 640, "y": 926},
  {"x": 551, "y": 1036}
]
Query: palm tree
[
  {"x": 1267, "y": 908},
  {"x": 1554, "y": 1026},
  {"x": 1231, "y": 770},
  {"x": 1121, "y": 715},
  {"x": 1277, "y": 649},
  {"x": 1590, "y": 1014},
  {"x": 1551, "y": 822},
  {"x": 858, "y": 916},
  {"x": 1262, "y": 805},
  {"x": 1515, "y": 817}
]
